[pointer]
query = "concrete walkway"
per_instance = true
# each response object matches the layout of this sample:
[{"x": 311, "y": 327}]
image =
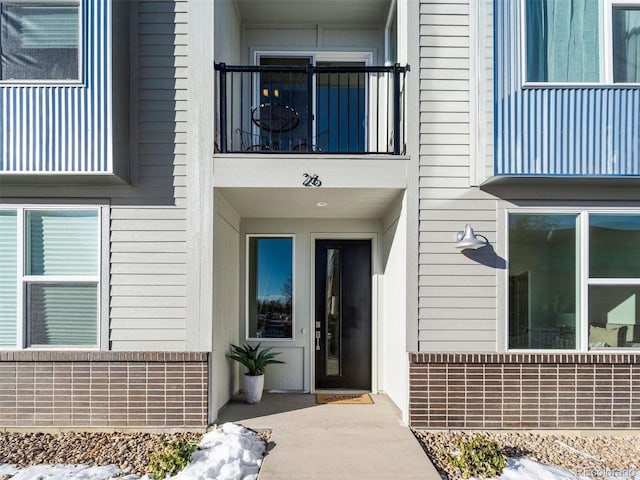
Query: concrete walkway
[{"x": 333, "y": 441}]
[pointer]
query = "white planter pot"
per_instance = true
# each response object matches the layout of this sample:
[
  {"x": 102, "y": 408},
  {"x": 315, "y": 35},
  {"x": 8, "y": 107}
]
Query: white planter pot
[{"x": 253, "y": 386}]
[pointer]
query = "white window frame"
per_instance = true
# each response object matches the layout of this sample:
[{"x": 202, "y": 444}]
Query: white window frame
[
  {"x": 23, "y": 279},
  {"x": 81, "y": 35},
  {"x": 608, "y": 36},
  {"x": 606, "y": 49},
  {"x": 247, "y": 269},
  {"x": 584, "y": 280}
]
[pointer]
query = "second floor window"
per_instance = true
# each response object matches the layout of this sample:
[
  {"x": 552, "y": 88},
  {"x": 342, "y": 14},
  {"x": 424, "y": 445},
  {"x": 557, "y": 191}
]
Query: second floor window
[
  {"x": 582, "y": 41},
  {"x": 626, "y": 43},
  {"x": 39, "y": 41}
]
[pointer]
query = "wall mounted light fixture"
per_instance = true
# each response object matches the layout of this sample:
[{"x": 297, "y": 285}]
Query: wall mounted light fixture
[{"x": 468, "y": 239}]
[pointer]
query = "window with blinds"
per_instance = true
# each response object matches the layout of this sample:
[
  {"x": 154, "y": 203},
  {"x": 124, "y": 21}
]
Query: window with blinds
[
  {"x": 39, "y": 41},
  {"x": 8, "y": 278},
  {"x": 49, "y": 277},
  {"x": 61, "y": 263}
]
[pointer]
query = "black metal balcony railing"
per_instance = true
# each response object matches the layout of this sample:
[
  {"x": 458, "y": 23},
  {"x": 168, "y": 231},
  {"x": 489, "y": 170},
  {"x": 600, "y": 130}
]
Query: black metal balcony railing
[{"x": 310, "y": 108}]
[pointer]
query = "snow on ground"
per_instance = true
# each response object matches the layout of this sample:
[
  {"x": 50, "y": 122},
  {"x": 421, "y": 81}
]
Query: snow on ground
[
  {"x": 527, "y": 469},
  {"x": 56, "y": 472},
  {"x": 230, "y": 452}
]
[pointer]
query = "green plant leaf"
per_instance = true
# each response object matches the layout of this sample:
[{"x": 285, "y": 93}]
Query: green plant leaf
[
  {"x": 172, "y": 459},
  {"x": 254, "y": 358},
  {"x": 479, "y": 457}
]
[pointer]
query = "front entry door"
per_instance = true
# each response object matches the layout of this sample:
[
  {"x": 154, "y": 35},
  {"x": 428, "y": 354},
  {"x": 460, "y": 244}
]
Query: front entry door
[{"x": 343, "y": 314}]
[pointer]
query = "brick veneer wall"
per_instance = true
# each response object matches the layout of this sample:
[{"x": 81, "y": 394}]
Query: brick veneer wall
[
  {"x": 524, "y": 390},
  {"x": 103, "y": 389}
]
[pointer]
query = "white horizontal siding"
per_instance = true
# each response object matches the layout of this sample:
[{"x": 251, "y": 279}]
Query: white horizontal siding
[
  {"x": 124, "y": 213},
  {"x": 149, "y": 247},
  {"x": 457, "y": 292},
  {"x": 151, "y": 280},
  {"x": 148, "y": 242},
  {"x": 130, "y": 289},
  {"x": 145, "y": 235},
  {"x": 169, "y": 337},
  {"x": 445, "y": 302},
  {"x": 147, "y": 301},
  {"x": 138, "y": 323},
  {"x": 139, "y": 268},
  {"x": 160, "y": 345}
]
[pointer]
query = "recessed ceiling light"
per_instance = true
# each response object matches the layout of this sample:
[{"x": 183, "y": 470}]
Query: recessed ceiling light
[{"x": 322, "y": 204}]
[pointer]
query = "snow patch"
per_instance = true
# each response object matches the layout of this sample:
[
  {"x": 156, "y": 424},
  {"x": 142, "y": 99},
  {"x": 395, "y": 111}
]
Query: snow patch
[
  {"x": 59, "y": 472},
  {"x": 527, "y": 469},
  {"x": 230, "y": 452}
]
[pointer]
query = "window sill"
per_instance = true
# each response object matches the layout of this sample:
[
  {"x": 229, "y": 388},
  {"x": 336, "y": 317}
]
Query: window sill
[
  {"x": 42, "y": 83},
  {"x": 559, "y": 86}
]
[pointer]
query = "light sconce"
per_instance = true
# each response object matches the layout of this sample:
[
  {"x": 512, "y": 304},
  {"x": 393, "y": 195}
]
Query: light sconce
[{"x": 469, "y": 240}]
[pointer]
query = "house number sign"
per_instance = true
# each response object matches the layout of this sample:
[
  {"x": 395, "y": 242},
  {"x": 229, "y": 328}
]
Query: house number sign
[{"x": 311, "y": 180}]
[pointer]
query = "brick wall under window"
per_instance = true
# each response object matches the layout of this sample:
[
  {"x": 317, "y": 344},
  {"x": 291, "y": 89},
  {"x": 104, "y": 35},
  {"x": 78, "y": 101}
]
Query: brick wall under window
[
  {"x": 524, "y": 390},
  {"x": 103, "y": 389}
]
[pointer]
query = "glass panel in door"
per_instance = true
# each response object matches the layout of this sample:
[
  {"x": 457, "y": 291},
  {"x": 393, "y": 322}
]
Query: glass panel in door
[
  {"x": 281, "y": 112},
  {"x": 341, "y": 109},
  {"x": 333, "y": 322}
]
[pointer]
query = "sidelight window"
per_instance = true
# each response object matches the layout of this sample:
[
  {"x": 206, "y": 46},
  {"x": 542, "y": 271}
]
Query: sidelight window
[{"x": 270, "y": 287}]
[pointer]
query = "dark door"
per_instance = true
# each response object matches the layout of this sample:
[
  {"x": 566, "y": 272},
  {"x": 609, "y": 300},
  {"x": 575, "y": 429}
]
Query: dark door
[{"x": 343, "y": 314}]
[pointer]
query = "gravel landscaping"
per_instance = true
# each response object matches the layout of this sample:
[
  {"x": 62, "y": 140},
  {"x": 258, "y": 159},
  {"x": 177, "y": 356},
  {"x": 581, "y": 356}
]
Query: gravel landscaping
[
  {"x": 591, "y": 455},
  {"x": 130, "y": 451}
]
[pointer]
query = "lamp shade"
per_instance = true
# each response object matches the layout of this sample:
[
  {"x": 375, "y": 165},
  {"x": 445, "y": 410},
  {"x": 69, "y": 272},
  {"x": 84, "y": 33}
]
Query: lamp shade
[{"x": 468, "y": 239}]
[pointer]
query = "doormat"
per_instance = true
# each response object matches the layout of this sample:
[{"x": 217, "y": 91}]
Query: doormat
[{"x": 344, "y": 398}]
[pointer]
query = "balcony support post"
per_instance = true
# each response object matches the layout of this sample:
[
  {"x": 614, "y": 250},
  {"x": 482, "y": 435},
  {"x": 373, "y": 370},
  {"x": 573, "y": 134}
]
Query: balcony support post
[
  {"x": 310, "y": 107},
  {"x": 222, "y": 68},
  {"x": 396, "y": 108}
]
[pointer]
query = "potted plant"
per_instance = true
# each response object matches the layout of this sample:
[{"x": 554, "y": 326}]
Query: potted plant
[{"x": 255, "y": 360}]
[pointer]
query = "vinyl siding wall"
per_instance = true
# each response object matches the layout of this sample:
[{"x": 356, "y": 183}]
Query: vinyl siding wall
[
  {"x": 148, "y": 241},
  {"x": 147, "y": 232},
  {"x": 457, "y": 292}
]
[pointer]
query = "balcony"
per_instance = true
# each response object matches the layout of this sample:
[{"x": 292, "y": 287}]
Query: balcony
[{"x": 289, "y": 106}]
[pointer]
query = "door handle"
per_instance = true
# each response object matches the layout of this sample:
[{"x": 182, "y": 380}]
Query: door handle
[{"x": 318, "y": 334}]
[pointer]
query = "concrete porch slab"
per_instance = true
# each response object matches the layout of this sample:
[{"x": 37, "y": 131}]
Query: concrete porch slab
[{"x": 333, "y": 441}]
